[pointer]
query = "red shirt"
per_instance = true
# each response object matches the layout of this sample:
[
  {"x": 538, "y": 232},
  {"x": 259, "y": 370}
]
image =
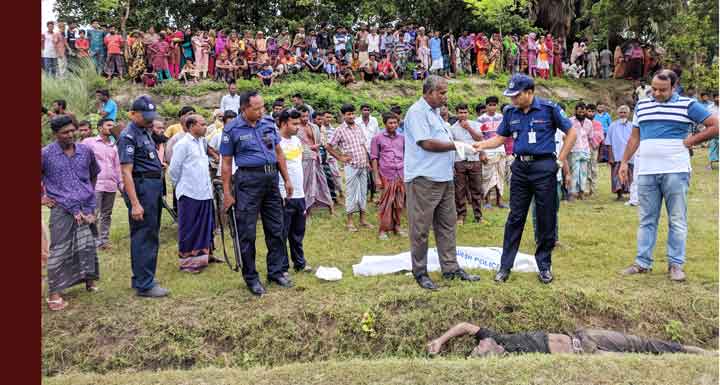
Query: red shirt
[
  {"x": 82, "y": 45},
  {"x": 114, "y": 44},
  {"x": 385, "y": 67}
]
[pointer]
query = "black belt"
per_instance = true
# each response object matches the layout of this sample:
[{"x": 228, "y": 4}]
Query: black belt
[
  {"x": 148, "y": 175},
  {"x": 267, "y": 169},
  {"x": 530, "y": 158}
]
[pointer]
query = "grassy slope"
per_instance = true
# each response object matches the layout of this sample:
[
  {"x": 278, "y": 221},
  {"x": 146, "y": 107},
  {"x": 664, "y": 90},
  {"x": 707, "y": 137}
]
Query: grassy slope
[
  {"x": 211, "y": 320},
  {"x": 528, "y": 369}
]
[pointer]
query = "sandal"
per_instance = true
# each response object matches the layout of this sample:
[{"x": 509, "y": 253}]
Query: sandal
[
  {"x": 351, "y": 228},
  {"x": 91, "y": 288},
  {"x": 367, "y": 225},
  {"x": 56, "y": 305}
]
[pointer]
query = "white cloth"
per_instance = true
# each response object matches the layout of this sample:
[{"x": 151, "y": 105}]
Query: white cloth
[
  {"x": 293, "y": 149},
  {"x": 462, "y": 135},
  {"x": 229, "y": 102},
  {"x": 437, "y": 64},
  {"x": 467, "y": 257},
  {"x": 369, "y": 129},
  {"x": 189, "y": 169}
]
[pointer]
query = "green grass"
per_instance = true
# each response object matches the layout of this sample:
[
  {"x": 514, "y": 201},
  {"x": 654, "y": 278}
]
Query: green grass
[
  {"x": 528, "y": 369},
  {"x": 211, "y": 320}
]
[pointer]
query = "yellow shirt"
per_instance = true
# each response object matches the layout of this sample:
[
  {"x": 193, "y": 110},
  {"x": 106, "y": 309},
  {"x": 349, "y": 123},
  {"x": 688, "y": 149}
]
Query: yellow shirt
[{"x": 172, "y": 130}]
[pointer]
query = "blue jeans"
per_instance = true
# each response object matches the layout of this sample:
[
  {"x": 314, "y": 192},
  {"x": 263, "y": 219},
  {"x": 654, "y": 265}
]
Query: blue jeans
[
  {"x": 652, "y": 189},
  {"x": 50, "y": 65}
]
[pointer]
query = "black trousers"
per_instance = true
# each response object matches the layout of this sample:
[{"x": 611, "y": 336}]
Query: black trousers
[
  {"x": 258, "y": 192},
  {"x": 145, "y": 234},
  {"x": 531, "y": 179},
  {"x": 294, "y": 232}
]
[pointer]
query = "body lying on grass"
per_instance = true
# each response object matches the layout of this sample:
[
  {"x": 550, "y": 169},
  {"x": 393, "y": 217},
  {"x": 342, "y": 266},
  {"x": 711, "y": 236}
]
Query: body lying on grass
[{"x": 584, "y": 341}]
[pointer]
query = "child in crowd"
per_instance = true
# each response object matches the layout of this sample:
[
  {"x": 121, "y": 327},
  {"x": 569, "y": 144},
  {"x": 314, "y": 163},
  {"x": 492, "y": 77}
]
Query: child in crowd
[
  {"x": 266, "y": 75},
  {"x": 386, "y": 153},
  {"x": 149, "y": 78},
  {"x": 189, "y": 73}
]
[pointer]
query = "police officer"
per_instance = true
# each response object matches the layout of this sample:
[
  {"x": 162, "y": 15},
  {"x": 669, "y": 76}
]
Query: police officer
[
  {"x": 142, "y": 173},
  {"x": 252, "y": 140},
  {"x": 532, "y": 123}
]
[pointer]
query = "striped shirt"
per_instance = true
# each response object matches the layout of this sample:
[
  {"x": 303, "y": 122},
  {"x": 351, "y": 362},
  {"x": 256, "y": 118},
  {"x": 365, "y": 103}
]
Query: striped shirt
[{"x": 663, "y": 127}]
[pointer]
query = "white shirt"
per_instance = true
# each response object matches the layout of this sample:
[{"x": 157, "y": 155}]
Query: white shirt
[
  {"x": 229, "y": 102},
  {"x": 189, "y": 169},
  {"x": 292, "y": 148},
  {"x": 373, "y": 43},
  {"x": 369, "y": 130},
  {"x": 643, "y": 92},
  {"x": 214, "y": 142},
  {"x": 49, "y": 49},
  {"x": 460, "y": 134},
  {"x": 559, "y": 140}
]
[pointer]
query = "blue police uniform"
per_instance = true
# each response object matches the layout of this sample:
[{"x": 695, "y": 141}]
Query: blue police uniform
[
  {"x": 136, "y": 146},
  {"x": 256, "y": 190},
  {"x": 534, "y": 172}
]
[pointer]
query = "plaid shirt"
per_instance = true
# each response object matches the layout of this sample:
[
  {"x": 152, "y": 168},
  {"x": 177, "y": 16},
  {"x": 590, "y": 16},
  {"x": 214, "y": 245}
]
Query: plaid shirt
[{"x": 351, "y": 141}]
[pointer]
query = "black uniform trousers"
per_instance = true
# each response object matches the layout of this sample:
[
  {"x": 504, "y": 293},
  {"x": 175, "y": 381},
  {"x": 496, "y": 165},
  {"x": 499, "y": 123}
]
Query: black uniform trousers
[
  {"x": 539, "y": 179},
  {"x": 294, "y": 232},
  {"x": 145, "y": 234},
  {"x": 257, "y": 191}
]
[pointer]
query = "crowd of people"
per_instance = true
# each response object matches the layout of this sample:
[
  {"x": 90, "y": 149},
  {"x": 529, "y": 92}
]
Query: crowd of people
[
  {"x": 283, "y": 163},
  {"x": 367, "y": 53}
]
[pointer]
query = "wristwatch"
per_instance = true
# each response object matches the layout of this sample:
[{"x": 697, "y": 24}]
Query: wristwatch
[{"x": 560, "y": 163}]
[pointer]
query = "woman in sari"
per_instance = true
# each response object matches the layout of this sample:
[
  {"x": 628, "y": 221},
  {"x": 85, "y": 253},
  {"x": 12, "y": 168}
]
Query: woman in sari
[
  {"x": 532, "y": 54},
  {"x": 619, "y": 72},
  {"x": 558, "y": 51},
  {"x": 481, "y": 47},
  {"x": 136, "y": 60},
  {"x": 200, "y": 50},
  {"x": 174, "y": 39},
  {"x": 523, "y": 46},
  {"x": 212, "y": 38},
  {"x": 187, "y": 49},
  {"x": 550, "y": 54},
  {"x": 543, "y": 63}
]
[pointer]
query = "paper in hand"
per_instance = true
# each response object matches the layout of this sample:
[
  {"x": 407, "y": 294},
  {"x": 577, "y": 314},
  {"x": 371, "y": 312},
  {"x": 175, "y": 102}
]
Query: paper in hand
[{"x": 464, "y": 149}]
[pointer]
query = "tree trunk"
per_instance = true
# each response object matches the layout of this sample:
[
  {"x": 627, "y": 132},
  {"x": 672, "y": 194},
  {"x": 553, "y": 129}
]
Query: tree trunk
[{"x": 123, "y": 21}]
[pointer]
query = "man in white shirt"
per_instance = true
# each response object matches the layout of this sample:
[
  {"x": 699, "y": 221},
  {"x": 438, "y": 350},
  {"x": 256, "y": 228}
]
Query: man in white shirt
[
  {"x": 468, "y": 170},
  {"x": 294, "y": 207},
  {"x": 373, "y": 42},
  {"x": 369, "y": 126},
  {"x": 189, "y": 173},
  {"x": 642, "y": 90},
  {"x": 661, "y": 128},
  {"x": 49, "y": 53},
  {"x": 232, "y": 101}
]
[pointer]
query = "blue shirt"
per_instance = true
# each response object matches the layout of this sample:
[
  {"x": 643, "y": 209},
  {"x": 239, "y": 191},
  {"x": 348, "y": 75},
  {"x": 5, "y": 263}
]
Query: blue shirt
[
  {"x": 544, "y": 117},
  {"x": 617, "y": 137},
  {"x": 136, "y": 146},
  {"x": 435, "y": 48},
  {"x": 671, "y": 119},
  {"x": 605, "y": 120},
  {"x": 97, "y": 40},
  {"x": 251, "y": 146},
  {"x": 663, "y": 126},
  {"x": 111, "y": 108},
  {"x": 423, "y": 122}
]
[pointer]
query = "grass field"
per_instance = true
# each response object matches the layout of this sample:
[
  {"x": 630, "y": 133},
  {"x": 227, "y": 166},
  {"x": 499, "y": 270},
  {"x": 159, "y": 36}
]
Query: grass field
[{"x": 313, "y": 333}]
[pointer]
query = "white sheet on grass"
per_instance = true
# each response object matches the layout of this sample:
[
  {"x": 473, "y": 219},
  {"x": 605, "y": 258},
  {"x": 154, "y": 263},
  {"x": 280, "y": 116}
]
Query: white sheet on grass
[{"x": 468, "y": 258}]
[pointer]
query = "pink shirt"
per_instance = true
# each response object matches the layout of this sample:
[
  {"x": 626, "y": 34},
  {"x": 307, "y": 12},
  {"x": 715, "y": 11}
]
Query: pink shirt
[
  {"x": 584, "y": 134},
  {"x": 107, "y": 158}
]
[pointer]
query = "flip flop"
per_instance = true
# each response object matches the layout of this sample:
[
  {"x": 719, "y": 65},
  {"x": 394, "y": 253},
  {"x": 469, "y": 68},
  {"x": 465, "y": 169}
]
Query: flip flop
[
  {"x": 56, "y": 305},
  {"x": 367, "y": 225},
  {"x": 351, "y": 228}
]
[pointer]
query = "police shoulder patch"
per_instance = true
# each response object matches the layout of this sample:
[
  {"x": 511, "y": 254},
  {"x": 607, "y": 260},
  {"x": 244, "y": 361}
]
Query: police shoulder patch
[
  {"x": 130, "y": 149},
  {"x": 226, "y": 138}
]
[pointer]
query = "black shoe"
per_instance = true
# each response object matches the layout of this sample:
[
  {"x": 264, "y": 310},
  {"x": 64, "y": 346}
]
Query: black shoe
[
  {"x": 425, "y": 282},
  {"x": 545, "y": 276},
  {"x": 256, "y": 288},
  {"x": 282, "y": 281},
  {"x": 502, "y": 275},
  {"x": 460, "y": 273}
]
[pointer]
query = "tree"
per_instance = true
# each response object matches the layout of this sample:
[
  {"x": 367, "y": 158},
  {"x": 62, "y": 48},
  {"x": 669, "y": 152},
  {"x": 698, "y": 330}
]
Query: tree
[{"x": 503, "y": 15}]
